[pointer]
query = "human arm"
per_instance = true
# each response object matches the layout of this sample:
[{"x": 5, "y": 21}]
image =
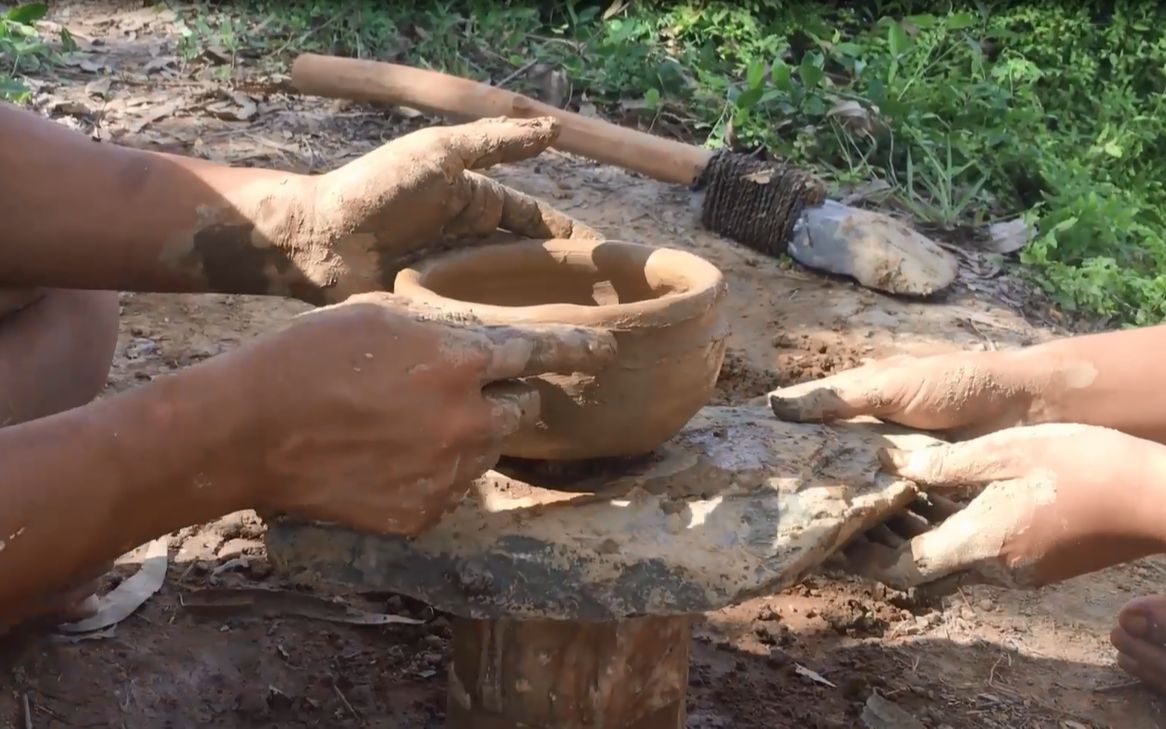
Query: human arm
[
  {"x": 1057, "y": 501},
  {"x": 360, "y": 413},
  {"x": 1113, "y": 380},
  {"x": 78, "y": 214}
]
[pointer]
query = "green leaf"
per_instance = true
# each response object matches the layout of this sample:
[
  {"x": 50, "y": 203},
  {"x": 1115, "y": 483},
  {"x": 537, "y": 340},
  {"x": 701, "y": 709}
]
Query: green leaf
[
  {"x": 921, "y": 21},
  {"x": 67, "y": 41},
  {"x": 781, "y": 75},
  {"x": 27, "y": 14},
  {"x": 810, "y": 70},
  {"x": 11, "y": 89},
  {"x": 755, "y": 74},
  {"x": 652, "y": 98},
  {"x": 897, "y": 39},
  {"x": 749, "y": 98},
  {"x": 848, "y": 49},
  {"x": 959, "y": 21}
]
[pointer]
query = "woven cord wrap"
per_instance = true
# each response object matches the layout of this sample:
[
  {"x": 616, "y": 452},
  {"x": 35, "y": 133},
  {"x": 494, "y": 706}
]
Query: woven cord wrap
[{"x": 755, "y": 202}]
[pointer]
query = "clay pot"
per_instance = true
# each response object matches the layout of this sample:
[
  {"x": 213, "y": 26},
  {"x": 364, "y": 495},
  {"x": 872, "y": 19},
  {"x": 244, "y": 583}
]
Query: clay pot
[{"x": 662, "y": 305}]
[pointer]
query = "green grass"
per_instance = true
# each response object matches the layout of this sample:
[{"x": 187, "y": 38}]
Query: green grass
[{"x": 969, "y": 113}]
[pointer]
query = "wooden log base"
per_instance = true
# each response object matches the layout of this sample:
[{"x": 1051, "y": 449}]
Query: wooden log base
[{"x": 557, "y": 674}]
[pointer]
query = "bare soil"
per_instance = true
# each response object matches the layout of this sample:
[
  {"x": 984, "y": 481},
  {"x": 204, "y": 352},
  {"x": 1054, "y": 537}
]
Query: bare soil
[{"x": 808, "y": 657}]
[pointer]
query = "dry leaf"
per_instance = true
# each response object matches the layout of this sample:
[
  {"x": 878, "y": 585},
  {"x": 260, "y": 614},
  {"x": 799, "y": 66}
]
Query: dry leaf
[
  {"x": 98, "y": 88},
  {"x": 879, "y": 713},
  {"x": 812, "y": 675},
  {"x": 159, "y": 63},
  {"x": 130, "y": 595},
  {"x": 70, "y": 107}
]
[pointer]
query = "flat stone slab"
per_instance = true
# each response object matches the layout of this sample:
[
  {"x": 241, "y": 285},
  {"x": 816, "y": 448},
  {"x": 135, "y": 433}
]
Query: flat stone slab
[{"x": 738, "y": 504}]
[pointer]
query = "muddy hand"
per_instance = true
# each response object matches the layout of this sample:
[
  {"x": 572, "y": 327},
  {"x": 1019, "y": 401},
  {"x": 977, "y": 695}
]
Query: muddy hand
[
  {"x": 969, "y": 393},
  {"x": 377, "y": 211},
  {"x": 1057, "y": 501},
  {"x": 380, "y": 417}
]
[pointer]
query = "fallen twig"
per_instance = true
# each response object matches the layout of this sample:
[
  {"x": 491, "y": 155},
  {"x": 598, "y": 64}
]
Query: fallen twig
[{"x": 282, "y": 602}]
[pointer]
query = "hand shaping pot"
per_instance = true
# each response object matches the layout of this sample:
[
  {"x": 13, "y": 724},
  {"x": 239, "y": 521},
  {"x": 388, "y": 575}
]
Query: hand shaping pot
[{"x": 663, "y": 307}]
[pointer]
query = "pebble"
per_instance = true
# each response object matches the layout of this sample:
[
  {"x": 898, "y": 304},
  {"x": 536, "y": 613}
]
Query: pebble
[{"x": 235, "y": 548}]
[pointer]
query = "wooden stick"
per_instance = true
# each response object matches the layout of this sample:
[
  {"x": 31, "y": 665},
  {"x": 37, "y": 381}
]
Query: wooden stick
[{"x": 466, "y": 100}]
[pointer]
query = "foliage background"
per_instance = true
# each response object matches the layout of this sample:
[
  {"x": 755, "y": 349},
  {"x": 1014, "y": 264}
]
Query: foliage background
[{"x": 968, "y": 114}]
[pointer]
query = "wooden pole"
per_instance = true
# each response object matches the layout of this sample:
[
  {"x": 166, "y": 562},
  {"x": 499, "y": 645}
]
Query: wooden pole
[{"x": 557, "y": 674}]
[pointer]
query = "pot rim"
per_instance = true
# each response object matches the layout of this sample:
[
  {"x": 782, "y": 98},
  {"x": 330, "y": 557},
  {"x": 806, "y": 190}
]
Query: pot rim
[{"x": 704, "y": 286}]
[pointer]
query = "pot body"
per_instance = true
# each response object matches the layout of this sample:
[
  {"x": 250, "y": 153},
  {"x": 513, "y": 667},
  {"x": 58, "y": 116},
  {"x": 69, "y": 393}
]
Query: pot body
[{"x": 662, "y": 306}]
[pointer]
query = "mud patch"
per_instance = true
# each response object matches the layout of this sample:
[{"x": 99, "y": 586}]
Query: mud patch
[
  {"x": 805, "y": 357},
  {"x": 796, "y": 359},
  {"x": 739, "y": 382}
]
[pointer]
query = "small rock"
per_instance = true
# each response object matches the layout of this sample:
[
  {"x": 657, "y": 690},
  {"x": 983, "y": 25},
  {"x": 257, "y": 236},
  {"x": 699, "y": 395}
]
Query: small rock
[
  {"x": 259, "y": 569},
  {"x": 277, "y": 698},
  {"x": 235, "y": 548},
  {"x": 241, "y": 525},
  {"x": 768, "y": 613},
  {"x": 880, "y": 713},
  {"x": 777, "y": 659},
  {"x": 986, "y": 605}
]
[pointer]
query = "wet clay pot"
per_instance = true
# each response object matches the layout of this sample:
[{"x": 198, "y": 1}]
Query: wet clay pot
[{"x": 663, "y": 307}]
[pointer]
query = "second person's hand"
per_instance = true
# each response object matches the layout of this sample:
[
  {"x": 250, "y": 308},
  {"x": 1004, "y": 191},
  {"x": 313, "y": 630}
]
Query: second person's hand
[
  {"x": 1049, "y": 502},
  {"x": 967, "y": 393}
]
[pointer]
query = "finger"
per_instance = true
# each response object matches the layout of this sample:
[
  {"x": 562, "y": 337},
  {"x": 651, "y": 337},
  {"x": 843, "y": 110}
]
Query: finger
[
  {"x": 990, "y": 458},
  {"x": 488, "y": 142},
  {"x": 514, "y": 406},
  {"x": 476, "y": 210},
  {"x": 492, "y": 205},
  {"x": 524, "y": 351},
  {"x": 861, "y": 391},
  {"x": 968, "y": 542},
  {"x": 1141, "y": 659},
  {"x": 909, "y": 524},
  {"x": 933, "y": 508},
  {"x": 882, "y": 534}
]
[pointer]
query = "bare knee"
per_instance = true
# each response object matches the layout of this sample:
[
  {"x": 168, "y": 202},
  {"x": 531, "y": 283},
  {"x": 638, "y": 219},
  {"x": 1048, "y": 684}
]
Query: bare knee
[{"x": 56, "y": 353}]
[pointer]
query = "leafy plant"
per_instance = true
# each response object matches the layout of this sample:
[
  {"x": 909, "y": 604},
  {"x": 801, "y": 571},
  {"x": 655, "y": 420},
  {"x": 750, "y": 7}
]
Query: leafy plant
[{"x": 21, "y": 48}]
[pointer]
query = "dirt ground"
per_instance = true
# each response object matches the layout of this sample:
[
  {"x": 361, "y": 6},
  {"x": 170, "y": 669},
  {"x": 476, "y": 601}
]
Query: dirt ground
[{"x": 983, "y": 658}]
